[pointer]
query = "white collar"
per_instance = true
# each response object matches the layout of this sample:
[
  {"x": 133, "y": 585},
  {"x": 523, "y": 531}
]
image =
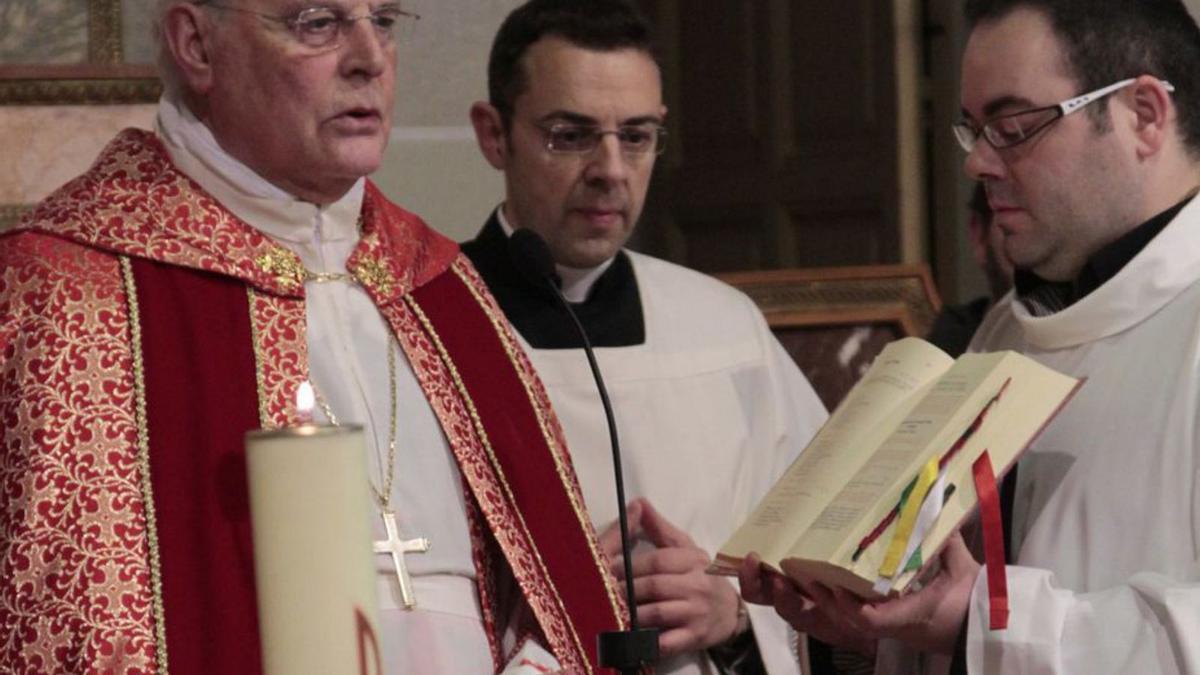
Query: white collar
[
  {"x": 577, "y": 282},
  {"x": 265, "y": 206},
  {"x": 1166, "y": 266}
]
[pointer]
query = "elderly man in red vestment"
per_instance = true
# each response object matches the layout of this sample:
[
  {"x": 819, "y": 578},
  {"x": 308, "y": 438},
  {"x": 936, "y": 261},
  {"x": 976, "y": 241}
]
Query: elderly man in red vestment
[{"x": 176, "y": 295}]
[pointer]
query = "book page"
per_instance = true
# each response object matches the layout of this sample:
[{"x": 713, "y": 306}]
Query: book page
[
  {"x": 884, "y": 396},
  {"x": 1033, "y": 396},
  {"x": 929, "y": 429}
]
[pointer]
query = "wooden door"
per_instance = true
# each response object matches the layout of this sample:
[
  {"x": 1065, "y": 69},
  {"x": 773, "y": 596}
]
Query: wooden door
[{"x": 785, "y": 135}]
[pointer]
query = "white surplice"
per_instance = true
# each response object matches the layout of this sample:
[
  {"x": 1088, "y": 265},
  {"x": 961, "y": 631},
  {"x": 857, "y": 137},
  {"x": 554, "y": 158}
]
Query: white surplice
[
  {"x": 347, "y": 347},
  {"x": 1106, "y": 521},
  {"x": 710, "y": 411}
]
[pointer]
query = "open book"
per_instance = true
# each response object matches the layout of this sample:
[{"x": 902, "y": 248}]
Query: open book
[{"x": 909, "y": 431}]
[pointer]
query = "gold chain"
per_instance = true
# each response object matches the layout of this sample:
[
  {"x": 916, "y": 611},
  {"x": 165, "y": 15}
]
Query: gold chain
[
  {"x": 326, "y": 277},
  {"x": 384, "y": 496}
]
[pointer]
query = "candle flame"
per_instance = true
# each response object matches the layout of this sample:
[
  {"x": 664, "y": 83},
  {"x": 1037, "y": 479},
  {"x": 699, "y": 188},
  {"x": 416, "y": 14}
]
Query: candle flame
[{"x": 306, "y": 400}]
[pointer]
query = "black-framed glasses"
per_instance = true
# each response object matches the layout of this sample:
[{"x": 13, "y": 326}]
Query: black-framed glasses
[
  {"x": 581, "y": 139},
  {"x": 323, "y": 27},
  {"x": 1012, "y": 129}
]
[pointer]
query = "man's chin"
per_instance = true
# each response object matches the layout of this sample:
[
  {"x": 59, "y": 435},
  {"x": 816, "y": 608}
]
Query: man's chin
[
  {"x": 356, "y": 156},
  {"x": 1012, "y": 222},
  {"x": 1027, "y": 255},
  {"x": 584, "y": 258}
]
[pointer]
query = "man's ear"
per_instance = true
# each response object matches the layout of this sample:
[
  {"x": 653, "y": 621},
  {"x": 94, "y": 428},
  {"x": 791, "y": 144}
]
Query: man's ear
[
  {"x": 187, "y": 33},
  {"x": 490, "y": 134},
  {"x": 1153, "y": 114}
]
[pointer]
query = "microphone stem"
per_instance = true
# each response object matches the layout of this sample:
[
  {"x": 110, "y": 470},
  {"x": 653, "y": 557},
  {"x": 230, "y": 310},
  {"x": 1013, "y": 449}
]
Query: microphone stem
[{"x": 626, "y": 548}]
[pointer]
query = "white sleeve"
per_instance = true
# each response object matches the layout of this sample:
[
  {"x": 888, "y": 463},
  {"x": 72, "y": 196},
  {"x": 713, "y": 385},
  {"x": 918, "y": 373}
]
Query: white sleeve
[{"x": 1150, "y": 624}]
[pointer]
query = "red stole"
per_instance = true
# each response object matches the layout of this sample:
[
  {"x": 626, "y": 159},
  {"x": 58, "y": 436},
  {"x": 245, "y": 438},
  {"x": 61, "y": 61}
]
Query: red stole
[
  {"x": 196, "y": 324},
  {"x": 201, "y": 400},
  {"x": 534, "y": 513}
]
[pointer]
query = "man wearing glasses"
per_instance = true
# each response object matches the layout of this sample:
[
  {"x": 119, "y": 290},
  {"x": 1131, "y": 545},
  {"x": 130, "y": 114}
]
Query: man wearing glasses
[
  {"x": 1082, "y": 119},
  {"x": 709, "y": 407},
  {"x": 177, "y": 295}
]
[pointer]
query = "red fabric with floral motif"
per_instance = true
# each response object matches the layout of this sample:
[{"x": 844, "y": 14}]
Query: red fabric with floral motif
[{"x": 78, "y": 559}]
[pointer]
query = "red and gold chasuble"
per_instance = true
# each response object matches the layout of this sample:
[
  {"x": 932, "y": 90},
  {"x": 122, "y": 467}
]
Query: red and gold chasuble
[{"x": 143, "y": 330}]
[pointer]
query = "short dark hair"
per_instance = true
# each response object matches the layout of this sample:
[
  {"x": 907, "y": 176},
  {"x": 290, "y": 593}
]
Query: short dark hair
[
  {"x": 1110, "y": 40},
  {"x": 602, "y": 25}
]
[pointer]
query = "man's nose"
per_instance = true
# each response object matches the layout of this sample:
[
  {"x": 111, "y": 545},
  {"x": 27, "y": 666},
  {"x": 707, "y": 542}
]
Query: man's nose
[
  {"x": 608, "y": 162},
  {"x": 983, "y": 161},
  {"x": 364, "y": 49}
]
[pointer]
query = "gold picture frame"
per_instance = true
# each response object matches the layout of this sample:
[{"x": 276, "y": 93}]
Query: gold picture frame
[
  {"x": 833, "y": 321},
  {"x": 103, "y": 79},
  {"x": 904, "y": 295}
]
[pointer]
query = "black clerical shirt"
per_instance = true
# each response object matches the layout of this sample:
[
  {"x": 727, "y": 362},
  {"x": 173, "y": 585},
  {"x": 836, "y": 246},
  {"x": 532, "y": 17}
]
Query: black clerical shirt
[{"x": 611, "y": 314}]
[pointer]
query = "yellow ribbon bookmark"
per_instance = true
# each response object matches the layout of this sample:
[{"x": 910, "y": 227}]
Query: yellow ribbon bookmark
[{"x": 908, "y": 518}]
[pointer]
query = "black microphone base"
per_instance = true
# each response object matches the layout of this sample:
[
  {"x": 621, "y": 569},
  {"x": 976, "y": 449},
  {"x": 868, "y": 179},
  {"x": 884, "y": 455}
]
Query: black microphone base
[{"x": 628, "y": 651}]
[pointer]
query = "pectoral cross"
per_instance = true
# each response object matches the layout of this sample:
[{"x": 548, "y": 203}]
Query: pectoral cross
[{"x": 397, "y": 547}]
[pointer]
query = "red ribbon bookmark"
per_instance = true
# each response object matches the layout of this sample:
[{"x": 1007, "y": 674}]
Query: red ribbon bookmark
[{"x": 993, "y": 541}]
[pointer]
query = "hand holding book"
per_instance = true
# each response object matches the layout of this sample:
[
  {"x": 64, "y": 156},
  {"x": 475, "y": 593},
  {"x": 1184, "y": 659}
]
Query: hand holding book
[
  {"x": 928, "y": 619},
  {"x": 911, "y": 428}
]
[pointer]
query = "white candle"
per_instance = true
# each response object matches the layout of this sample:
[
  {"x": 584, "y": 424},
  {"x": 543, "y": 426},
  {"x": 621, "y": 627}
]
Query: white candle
[{"x": 315, "y": 577}]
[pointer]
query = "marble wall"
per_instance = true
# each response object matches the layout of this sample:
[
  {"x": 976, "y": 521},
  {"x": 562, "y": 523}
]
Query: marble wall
[
  {"x": 45, "y": 146},
  {"x": 433, "y": 166}
]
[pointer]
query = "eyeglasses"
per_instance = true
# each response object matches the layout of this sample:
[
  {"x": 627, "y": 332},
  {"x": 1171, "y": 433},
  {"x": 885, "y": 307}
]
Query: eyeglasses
[
  {"x": 324, "y": 27},
  {"x": 580, "y": 139},
  {"x": 1016, "y": 128}
]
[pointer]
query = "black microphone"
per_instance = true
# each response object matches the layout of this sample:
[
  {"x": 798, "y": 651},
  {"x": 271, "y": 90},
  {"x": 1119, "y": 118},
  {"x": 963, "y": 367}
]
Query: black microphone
[{"x": 627, "y": 651}]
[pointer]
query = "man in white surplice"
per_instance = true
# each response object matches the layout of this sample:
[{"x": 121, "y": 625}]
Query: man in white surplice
[
  {"x": 1100, "y": 219},
  {"x": 710, "y": 408}
]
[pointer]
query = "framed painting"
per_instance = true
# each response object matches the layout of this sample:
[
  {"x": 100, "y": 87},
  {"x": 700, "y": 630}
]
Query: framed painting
[
  {"x": 69, "y": 52},
  {"x": 72, "y": 74},
  {"x": 833, "y": 321}
]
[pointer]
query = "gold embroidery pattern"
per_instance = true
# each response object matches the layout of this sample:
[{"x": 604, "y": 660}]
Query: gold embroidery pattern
[
  {"x": 375, "y": 275},
  {"x": 143, "y": 447},
  {"x": 464, "y": 430},
  {"x": 264, "y": 416},
  {"x": 484, "y": 557},
  {"x": 284, "y": 266},
  {"x": 133, "y": 201},
  {"x": 281, "y": 353},
  {"x": 76, "y": 583},
  {"x": 551, "y": 430},
  {"x": 397, "y": 252}
]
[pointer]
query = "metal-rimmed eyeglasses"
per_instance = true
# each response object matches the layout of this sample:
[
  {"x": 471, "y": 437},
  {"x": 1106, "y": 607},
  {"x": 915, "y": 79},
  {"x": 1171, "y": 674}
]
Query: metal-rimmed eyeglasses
[
  {"x": 1012, "y": 129},
  {"x": 323, "y": 27},
  {"x": 568, "y": 138}
]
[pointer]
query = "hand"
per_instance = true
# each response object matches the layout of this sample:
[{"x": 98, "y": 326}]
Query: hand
[
  {"x": 928, "y": 619},
  {"x": 694, "y": 610},
  {"x": 792, "y": 601}
]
